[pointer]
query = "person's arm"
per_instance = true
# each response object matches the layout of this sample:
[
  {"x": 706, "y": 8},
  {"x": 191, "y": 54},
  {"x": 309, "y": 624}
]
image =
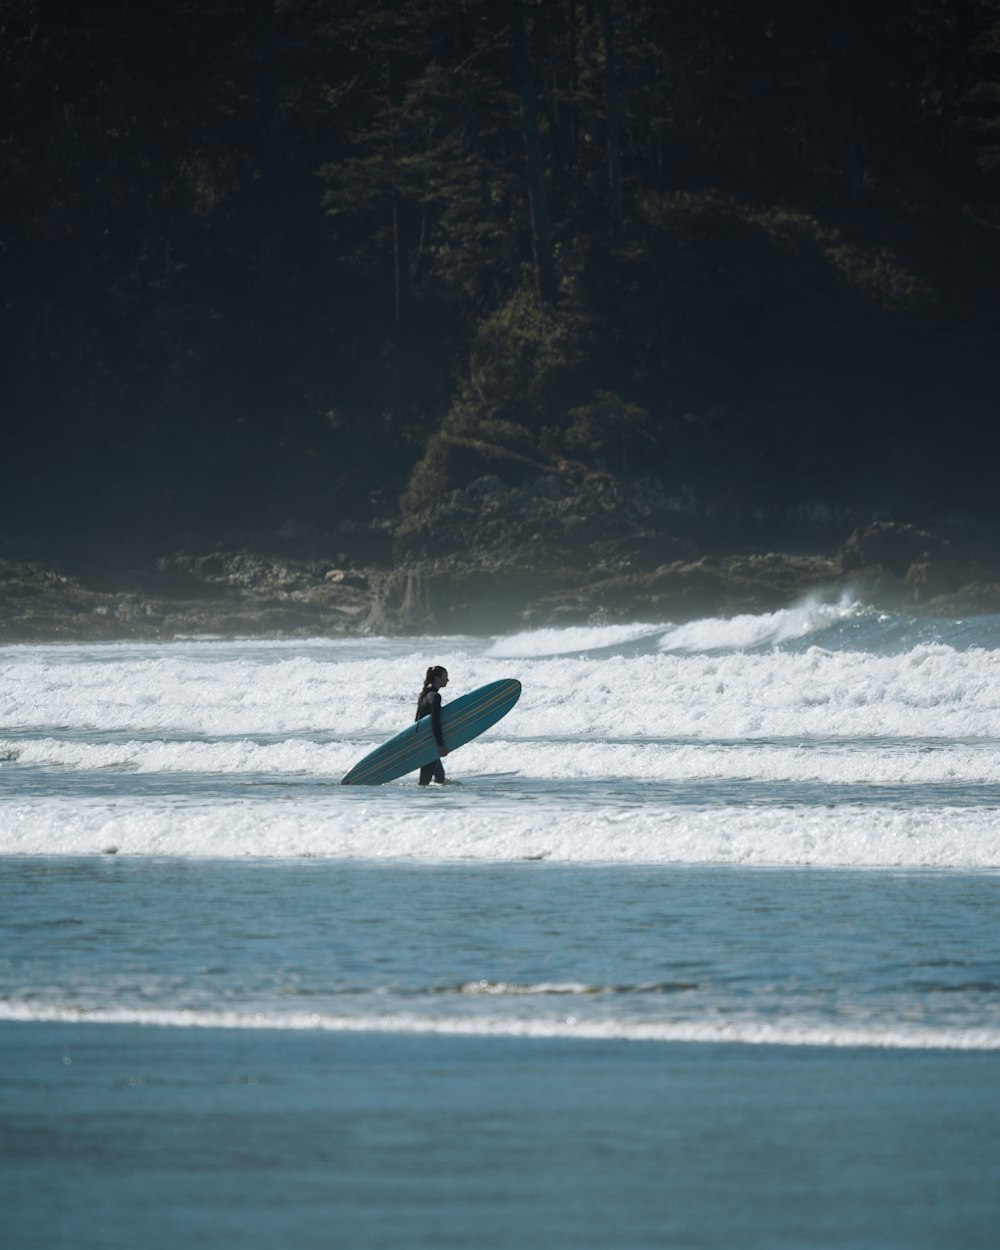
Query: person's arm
[{"x": 436, "y": 723}]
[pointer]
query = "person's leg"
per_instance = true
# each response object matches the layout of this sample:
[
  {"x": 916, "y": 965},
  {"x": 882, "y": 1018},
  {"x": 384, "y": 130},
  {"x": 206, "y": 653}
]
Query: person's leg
[{"x": 434, "y": 771}]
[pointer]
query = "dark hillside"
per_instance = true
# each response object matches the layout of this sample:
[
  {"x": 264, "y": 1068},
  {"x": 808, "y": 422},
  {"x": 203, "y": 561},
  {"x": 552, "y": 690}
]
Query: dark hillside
[{"x": 271, "y": 268}]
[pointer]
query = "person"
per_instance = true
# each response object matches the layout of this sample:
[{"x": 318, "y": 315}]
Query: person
[{"x": 429, "y": 704}]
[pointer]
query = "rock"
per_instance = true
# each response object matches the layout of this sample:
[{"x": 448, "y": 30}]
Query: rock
[
  {"x": 343, "y": 577},
  {"x": 903, "y": 565},
  {"x": 971, "y": 599},
  {"x": 493, "y": 558},
  {"x": 546, "y": 523},
  {"x": 930, "y": 579},
  {"x": 892, "y": 547}
]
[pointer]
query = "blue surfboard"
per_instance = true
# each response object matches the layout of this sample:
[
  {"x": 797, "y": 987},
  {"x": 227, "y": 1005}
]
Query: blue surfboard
[{"x": 462, "y": 720}]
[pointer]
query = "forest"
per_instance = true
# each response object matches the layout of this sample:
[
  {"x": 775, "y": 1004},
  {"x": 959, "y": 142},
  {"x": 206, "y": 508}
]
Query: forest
[{"x": 273, "y": 264}]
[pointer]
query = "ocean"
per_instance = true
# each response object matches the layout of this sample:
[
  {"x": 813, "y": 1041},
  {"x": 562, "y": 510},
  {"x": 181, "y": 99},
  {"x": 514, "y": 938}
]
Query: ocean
[{"x": 701, "y": 950}]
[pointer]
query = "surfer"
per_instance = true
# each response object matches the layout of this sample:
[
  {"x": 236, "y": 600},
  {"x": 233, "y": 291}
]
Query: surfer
[{"x": 429, "y": 704}]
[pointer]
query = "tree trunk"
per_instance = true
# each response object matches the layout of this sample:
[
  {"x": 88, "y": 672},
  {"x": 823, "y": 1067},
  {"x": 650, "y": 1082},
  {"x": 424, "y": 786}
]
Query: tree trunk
[
  {"x": 400, "y": 235},
  {"x": 614, "y": 125},
  {"x": 269, "y": 355},
  {"x": 538, "y": 204}
]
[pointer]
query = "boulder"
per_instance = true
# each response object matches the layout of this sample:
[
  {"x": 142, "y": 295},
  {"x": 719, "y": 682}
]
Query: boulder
[{"x": 892, "y": 547}]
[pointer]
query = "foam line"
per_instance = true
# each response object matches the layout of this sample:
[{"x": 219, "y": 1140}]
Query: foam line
[
  {"x": 930, "y": 691},
  {"x": 734, "y": 1033},
  {"x": 842, "y": 763},
  {"x": 448, "y": 825}
]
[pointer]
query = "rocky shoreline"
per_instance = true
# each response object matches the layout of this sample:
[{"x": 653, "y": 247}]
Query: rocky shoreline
[{"x": 491, "y": 559}]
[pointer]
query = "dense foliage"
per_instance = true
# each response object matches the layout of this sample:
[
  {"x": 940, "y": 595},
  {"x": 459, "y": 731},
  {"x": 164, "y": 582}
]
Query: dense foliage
[{"x": 273, "y": 259}]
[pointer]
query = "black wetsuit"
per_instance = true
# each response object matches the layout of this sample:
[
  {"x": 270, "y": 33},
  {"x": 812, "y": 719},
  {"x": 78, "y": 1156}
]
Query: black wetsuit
[{"x": 429, "y": 704}]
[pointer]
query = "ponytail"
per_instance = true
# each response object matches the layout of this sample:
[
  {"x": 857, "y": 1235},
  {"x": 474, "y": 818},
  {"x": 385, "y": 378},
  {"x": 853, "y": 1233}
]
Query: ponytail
[{"x": 435, "y": 670}]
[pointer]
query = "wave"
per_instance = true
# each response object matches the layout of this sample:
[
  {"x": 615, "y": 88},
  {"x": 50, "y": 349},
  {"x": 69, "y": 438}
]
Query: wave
[
  {"x": 514, "y": 989},
  {"x": 844, "y": 624},
  {"x": 291, "y": 757},
  {"x": 843, "y": 762},
  {"x": 805, "y": 620},
  {"x": 747, "y": 1032},
  {"x": 436, "y": 827},
  {"x": 931, "y": 690},
  {"x": 582, "y": 640},
  {"x": 809, "y": 618}
]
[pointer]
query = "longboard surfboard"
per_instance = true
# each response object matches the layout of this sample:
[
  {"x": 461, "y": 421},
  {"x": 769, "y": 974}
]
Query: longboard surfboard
[{"x": 462, "y": 720}]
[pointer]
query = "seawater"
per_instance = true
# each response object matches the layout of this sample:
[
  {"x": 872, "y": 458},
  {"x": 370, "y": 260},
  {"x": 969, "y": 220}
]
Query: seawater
[
  {"x": 703, "y": 949},
  {"x": 825, "y": 735}
]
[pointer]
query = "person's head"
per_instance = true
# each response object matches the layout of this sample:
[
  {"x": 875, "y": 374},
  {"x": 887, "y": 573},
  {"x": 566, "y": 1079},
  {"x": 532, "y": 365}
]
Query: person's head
[{"x": 437, "y": 676}]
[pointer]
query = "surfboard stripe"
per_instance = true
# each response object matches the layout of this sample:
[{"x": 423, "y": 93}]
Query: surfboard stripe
[{"x": 461, "y": 721}]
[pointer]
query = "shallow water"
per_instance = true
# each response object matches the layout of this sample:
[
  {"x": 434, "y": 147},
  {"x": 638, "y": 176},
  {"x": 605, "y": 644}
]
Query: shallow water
[
  {"x": 703, "y": 950},
  {"x": 878, "y": 736},
  {"x": 121, "y": 1136},
  {"x": 899, "y": 959}
]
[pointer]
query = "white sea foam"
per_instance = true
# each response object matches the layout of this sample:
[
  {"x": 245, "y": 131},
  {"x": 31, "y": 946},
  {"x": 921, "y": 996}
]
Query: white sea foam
[
  {"x": 293, "y": 757},
  {"x": 840, "y": 762},
  {"x": 438, "y": 826},
  {"x": 746, "y": 632},
  {"x": 737, "y": 1032},
  {"x": 928, "y": 691},
  {"x": 592, "y": 736},
  {"x": 581, "y": 639},
  {"x": 739, "y": 633}
]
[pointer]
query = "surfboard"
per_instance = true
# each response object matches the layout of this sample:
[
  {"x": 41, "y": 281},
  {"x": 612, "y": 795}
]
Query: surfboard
[{"x": 462, "y": 720}]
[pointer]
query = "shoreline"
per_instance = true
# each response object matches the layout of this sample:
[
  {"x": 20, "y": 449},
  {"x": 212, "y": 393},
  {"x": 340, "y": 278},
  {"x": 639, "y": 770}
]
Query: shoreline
[
  {"x": 490, "y": 559},
  {"x": 286, "y": 598}
]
